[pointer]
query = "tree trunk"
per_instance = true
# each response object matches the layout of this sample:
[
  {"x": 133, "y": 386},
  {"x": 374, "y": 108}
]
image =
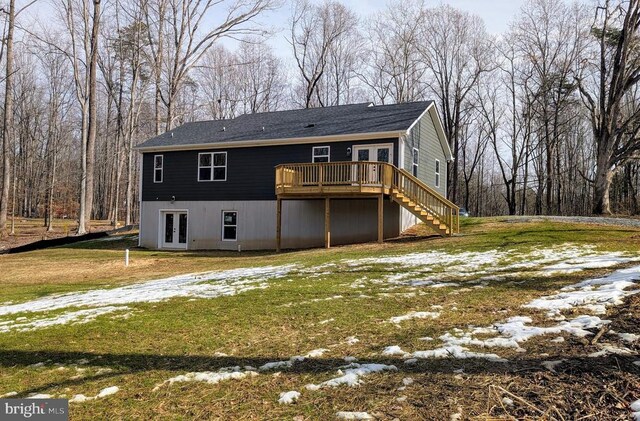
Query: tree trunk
[
  {"x": 602, "y": 185},
  {"x": 8, "y": 123},
  {"x": 93, "y": 116}
]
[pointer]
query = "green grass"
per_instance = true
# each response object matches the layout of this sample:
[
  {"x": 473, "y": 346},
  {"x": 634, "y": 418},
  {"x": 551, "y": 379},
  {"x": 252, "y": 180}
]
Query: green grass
[{"x": 165, "y": 339}]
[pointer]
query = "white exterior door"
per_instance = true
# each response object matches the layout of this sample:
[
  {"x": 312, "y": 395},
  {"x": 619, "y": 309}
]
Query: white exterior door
[
  {"x": 174, "y": 230},
  {"x": 373, "y": 153}
]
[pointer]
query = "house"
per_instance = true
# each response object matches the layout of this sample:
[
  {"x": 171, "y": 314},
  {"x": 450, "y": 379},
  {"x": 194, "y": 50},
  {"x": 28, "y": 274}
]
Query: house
[{"x": 296, "y": 179}]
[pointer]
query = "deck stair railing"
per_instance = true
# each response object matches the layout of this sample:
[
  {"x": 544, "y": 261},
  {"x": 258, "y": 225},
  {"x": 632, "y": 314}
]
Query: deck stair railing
[{"x": 364, "y": 177}]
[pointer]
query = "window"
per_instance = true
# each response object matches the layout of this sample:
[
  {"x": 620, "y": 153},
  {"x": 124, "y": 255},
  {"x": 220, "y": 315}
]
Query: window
[
  {"x": 437, "y": 173},
  {"x": 158, "y": 165},
  {"x": 212, "y": 166},
  {"x": 320, "y": 154},
  {"x": 229, "y": 225},
  {"x": 415, "y": 162}
]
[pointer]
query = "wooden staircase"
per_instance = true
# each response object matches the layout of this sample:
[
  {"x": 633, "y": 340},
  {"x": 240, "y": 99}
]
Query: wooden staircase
[
  {"x": 425, "y": 203},
  {"x": 366, "y": 179}
]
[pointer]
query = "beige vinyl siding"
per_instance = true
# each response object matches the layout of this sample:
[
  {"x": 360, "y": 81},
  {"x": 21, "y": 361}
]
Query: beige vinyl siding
[{"x": 424, "y": 137}]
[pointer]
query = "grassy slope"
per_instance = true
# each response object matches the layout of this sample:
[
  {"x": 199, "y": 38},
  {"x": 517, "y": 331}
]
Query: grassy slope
[{"x": 166, "y": 339}]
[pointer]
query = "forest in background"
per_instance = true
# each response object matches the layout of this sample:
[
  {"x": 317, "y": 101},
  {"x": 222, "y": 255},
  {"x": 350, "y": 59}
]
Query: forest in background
[{"x": 542, "y": 119}]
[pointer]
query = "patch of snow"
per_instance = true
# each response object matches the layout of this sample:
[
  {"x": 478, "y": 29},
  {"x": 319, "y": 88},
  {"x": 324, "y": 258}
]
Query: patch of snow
[
  {"x": 635, "y": 407},
  {"x": 211, "y": 377},
  {"x": 324, "y": 322},
  {"x": 507, "y": 401},
  {"x": 456, "y": 351},
  {"x": 352, "y": 375},
  {"x": 558, "y": 340},
  {"x": 415, "y": 315},
  {"x": 39, "y": 396},
  {"x": 345, "y": 415},
  {"x": 72, "y": 317},
  {"x": 595, "y": 294},
  {"x": 608, "y": 349},
  {"x": 8, "y": 394},
  {"x": 551, "y": 365},
  {"x": 102, "y": 301},
  {"x": 288, "y": 398},
  {"x": 393, "y": 350},
  {"x": 629, "y": 337},
  {"x": 352, "y": 340}
]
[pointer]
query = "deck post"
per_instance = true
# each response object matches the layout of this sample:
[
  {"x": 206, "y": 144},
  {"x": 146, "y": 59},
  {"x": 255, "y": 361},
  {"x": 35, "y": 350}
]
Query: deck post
[
  {"x": 381, "y": 219},
  {"x": 327, "y": 222},
  {"x": 278, "y": 224}
]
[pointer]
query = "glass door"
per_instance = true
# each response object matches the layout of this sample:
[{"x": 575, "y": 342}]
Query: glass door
[{"x": 174, "y": 230}]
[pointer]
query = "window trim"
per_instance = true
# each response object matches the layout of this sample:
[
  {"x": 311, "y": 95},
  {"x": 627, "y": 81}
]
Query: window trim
[
  {"x": 223, "y": 226},
  {"x": 156, "y": 169},
  {"x": 437, "y": 171},
  {"x": 415, "y": 161},
  {"x": 313, "y": 153},
  {"x": 212, "y": 166}
]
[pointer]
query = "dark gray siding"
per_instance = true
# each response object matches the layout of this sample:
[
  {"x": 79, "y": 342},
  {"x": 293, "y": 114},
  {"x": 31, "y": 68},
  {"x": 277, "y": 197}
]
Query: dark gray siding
[
  {"x": 250, "y": 171},
  {"x": 425, "y": 138}
]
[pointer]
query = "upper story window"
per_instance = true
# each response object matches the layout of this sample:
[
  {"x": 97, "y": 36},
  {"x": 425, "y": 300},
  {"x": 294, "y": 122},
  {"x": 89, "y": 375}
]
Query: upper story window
[
  {"x": 415, "y": 160},
  {"x": 212, "y": 166},
  {"x": 437, "y": 173},
  {"x": 320, "y": 154},
  {"x": 158, "y": 166}
]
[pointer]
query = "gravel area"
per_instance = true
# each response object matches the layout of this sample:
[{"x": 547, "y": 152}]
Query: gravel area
[{"x": 598, "y": 220}]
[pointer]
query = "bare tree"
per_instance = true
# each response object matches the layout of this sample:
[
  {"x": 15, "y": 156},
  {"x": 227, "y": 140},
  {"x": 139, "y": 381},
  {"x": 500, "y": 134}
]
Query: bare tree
[
  {"x": 7, "y": 120},
  {"x": 615, "y": 117},
  {"x": 316, "y": 31},
  {"x": 457, "y": 51}
]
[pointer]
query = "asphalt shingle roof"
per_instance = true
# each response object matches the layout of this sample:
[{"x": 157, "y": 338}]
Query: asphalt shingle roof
[{"x": 312, "y": 122}]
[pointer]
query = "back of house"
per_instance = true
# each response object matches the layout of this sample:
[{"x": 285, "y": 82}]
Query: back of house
[{"x": 296, "y": 179}]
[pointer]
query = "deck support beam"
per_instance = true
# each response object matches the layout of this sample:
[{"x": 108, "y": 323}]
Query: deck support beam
[
  {"x": 327, "y": 223},
  {"x": 381, "y": 219},
  {"x": 278, "y": 224}
]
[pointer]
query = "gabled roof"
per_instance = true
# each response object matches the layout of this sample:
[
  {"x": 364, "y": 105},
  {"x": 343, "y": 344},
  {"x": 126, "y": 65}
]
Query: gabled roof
[{"x": 294, "y": 126}]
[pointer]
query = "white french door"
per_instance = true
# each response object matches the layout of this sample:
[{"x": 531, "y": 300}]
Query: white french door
[
  {"x": 373, "y": 153},
  {"x": 174, "y": 229}
]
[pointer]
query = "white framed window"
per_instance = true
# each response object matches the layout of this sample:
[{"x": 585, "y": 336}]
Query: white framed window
[
  {"x": 158, "y": 168},
  {"x": 212, "y": 166},
  {"x": 229, "y": 225},
  {"x": 415, "y": 159},
  {"x": 437, "y": 173},
  {"x": 320, "y": 154}
]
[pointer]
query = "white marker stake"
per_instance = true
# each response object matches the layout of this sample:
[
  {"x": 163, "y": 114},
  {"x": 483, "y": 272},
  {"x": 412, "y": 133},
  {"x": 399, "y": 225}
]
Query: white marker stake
[{"x": 126, "y": 257}]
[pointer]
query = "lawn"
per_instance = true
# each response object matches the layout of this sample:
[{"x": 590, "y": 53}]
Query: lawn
[{"x": 471, "y": 327}]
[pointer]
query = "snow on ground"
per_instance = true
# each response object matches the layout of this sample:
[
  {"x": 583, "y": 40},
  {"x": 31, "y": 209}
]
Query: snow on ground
[
  {"x": 351, "y": 375},
  {"x": 592, "y": 294},
  {"x": 72, "y": 317},
  {"x": 288, "y": 398},
  {"x": 316, "y": 353},
  {"x": 430, "y": 269},
  {"x": 635, "y": 407},
  {"x": 103, "y": 301},
  {"x": 211, "y": 377},
  {"x": 346, "y": 415},
  {"x": 104, "y": 392},
  {"x": 415, "y": 315}
]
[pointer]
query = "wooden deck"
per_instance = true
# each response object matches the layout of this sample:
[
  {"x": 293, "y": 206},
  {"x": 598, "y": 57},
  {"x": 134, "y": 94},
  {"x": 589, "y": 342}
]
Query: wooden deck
[{"x": 363, "y": 179}]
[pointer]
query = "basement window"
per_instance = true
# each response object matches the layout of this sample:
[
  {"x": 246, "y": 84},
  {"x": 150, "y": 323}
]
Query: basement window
[
  {"x": 229, "y": 225},
  {"x": 212, "y": 166},
  {"x": 415, "y": 160},
  {"x": 320, "y": 154},
  {"x": 158, "y": 165},
  {"x": 437, "y": 173}
]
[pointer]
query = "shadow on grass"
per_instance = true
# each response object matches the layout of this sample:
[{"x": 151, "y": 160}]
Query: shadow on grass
[{"x": 124, "y": 364}]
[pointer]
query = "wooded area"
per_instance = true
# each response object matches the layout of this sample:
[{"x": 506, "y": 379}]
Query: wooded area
[{"x": 543, "y": 119}]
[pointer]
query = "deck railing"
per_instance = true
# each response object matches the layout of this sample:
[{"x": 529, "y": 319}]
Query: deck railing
[{"x": 364, "y": 177}]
